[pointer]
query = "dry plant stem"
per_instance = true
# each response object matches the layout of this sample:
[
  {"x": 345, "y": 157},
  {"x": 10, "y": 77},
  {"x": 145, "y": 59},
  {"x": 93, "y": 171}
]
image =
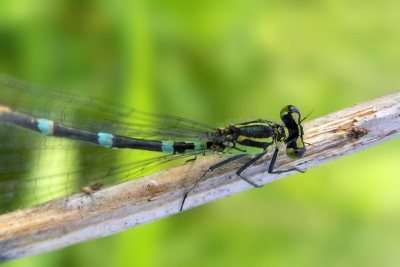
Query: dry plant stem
[{"x": 82, "y": 217}]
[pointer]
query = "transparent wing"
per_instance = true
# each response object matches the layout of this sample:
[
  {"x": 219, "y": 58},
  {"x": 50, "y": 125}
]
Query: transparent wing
[
  {"x": 36, "y": 168},
  {"x": 94, "y": 114},
  {"x": 48, "y": 173}
]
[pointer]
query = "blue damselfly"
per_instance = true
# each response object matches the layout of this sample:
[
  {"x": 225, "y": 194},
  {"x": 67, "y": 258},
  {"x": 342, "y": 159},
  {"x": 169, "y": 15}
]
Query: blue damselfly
[{"x": 54, "y": 143}]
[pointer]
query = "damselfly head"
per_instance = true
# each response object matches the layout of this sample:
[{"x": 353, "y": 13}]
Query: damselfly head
[{"x": 291, "y": 117}]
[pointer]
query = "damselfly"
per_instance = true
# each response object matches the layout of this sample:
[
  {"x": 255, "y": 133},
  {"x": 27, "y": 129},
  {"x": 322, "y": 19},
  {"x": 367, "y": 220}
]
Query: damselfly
[{"x": 84, "y": 141}]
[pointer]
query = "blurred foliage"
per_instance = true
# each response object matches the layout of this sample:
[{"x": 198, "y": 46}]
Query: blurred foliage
[{"x": 222, "y": 61}]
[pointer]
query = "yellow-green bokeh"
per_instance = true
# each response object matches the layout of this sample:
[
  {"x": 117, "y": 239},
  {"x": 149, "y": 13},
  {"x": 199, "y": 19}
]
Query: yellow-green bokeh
[{"x": 224, "y": 61}]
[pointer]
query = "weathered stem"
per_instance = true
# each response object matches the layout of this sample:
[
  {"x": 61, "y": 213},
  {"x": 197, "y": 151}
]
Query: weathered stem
[{"x": 82, "y": 217}]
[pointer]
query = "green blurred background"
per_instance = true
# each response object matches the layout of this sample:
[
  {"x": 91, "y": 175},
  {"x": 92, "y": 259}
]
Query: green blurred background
[{"x": 224, "y": 61}]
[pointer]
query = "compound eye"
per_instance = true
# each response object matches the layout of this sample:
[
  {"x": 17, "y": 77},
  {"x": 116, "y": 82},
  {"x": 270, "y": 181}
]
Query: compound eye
[
  {"x": 288, "y": 110},
  {"x": 295, "y": 149}
]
